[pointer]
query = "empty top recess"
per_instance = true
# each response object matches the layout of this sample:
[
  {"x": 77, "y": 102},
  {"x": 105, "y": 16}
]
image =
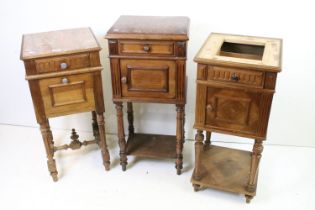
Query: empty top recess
[{"x": 241, "y": 51}]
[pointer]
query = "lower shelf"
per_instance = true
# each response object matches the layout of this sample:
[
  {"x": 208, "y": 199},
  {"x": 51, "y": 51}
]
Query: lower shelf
[
  {"x": 151, "y": 145},
  {"x": 225, "y": 169}
]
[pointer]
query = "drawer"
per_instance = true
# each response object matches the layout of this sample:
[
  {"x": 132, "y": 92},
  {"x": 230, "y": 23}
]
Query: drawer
[
  {"x": 67, "y": 95},
  {"x": 62, "y": 63},
  {"x": 236, "y": 76},
  {"x": 146, "y": 48},
  {"x": 148, "y": 78}
]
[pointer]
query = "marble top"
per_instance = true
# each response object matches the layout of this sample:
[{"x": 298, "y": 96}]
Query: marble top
[{"x": 58, "y": 43}]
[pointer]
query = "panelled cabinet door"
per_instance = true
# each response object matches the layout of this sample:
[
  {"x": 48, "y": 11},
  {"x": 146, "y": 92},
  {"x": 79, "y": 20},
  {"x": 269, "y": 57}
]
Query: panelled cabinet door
[
  {"x": 148, "y": 78},
  {"x": 68, "y": 94},
  {"x": 234, "y": 110}
]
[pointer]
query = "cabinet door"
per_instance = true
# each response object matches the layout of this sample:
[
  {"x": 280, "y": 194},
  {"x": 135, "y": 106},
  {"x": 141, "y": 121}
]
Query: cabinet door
[
  {"x": 68, "y": 94},
  {"x": 148, "y": 78},
  {"x": 233, "y": 110}
]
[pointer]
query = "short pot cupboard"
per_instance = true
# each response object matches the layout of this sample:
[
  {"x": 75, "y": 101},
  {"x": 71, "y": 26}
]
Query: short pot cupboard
[
  {"x": 64, "y": 74},
  {"x": 236, "y": 79},
  {"x": 147, "y": 60}
]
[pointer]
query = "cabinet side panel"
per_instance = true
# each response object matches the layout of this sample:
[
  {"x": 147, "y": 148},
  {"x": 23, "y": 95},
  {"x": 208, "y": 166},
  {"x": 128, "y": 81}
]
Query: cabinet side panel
[
  {"x": 265, "y": 107},
  {"x": 181, "y": 77},
  {"x": 200, "y": 105},
  {"x": 37, "y": 101},
  {"x": 115, "y": 73},
  {"x": 98, "y": 93}
]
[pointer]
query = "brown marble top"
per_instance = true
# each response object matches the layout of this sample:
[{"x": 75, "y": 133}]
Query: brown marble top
[
  {"x": 150, "y": 27},
  {"x": 58, "y": 43}
]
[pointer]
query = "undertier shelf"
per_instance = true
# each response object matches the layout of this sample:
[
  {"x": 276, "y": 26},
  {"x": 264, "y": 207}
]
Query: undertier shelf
[
  {"x": 225, "y": 169},
  {"x": 152, "y": 145}
]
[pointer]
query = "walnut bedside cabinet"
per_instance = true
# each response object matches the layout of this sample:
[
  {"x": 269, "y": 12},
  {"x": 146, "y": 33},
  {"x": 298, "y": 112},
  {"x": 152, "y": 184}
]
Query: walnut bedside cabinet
[
  {"x": 236, "y": 80},
  {"x": 64, "y": 74},
  {"x": 147, "y": 57}
]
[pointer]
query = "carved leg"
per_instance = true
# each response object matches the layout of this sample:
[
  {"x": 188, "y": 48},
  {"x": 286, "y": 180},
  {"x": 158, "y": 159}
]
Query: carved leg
[
  {"x": 198, "y": 150},
  {"x": 207, "y": 141},
  {"x": 179, "y": 137},
  {"x": 130, "y": 118},
  {"x": 248, "y": 198},
  {"x": 102, "y": 141},
  {"x": 49, "y": 146},
  {"x": 121, "y": 136},
  {"x": 256, "y": 155},
  {"x": 96, "y": 133}
]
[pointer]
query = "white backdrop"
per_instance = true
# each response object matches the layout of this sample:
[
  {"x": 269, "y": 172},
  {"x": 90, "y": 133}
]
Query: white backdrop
[{"x": 291, "y": 120}]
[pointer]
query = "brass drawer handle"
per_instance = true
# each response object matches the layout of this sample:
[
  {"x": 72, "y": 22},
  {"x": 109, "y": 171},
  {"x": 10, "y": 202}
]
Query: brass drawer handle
[
  {"x": 63, "y": 66},
  {"x": 124, "y": 80},
  {"x": 64, "y": 80},
  {"x": 146, "y": 48},
  {"x": 234, "y": 77}
]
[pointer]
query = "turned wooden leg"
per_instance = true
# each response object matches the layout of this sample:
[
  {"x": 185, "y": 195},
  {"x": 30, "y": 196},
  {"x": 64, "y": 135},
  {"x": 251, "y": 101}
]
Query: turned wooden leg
[
  {"x": 49, "y": 146},
  {"x": 184, "y": 121},
  {"x": 179, "y": 137},
  {"x": 121, "y": 136},
  {"x": 207, "y": 141},
  {"x": 102, "y": 140},
  {"x": 248, "y": 198},
  {"x": 130, "y": 118},
  {"x": 256, "y": 155},
  {"x": 198, "y": 150},
  {"x": 196, "y": 187},
  {"x": 96, "y": 133}
]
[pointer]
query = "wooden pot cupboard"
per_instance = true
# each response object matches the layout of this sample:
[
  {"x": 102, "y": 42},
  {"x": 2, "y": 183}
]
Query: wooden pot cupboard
[
  {"x": 63, "y": 70},
  {"x": 236, "y": 79},
  {"x": 147, "y": 59}
]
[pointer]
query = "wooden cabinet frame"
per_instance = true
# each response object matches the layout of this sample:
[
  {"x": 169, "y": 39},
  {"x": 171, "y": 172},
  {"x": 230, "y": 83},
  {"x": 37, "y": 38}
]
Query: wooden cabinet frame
[
  {"x": 148, "y": 66},
  {"x": 236, "y": 77},
  {"x": 64, "y": 76}
]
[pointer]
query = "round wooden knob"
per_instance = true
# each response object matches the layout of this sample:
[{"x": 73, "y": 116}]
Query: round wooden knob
[
  {"x": 64, "y": 80},
  {"x": 124, "y": 80},
  {"x": 63, "y": 66},
  {"x": 209, "y": 107},
  {"x": 146, "y": 48},
  {"x": 234, "y": 77}
]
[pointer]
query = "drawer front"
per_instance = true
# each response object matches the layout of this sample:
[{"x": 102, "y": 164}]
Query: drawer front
[
  {"x": 232, "y": 110},
  {"x": 146, "y": 48},
  {"x": 148, "y": 78},
  {"x": 67, "y": 95},
  {"x": 236, "y": 76},
  {"x": 62, "y": 63}
]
